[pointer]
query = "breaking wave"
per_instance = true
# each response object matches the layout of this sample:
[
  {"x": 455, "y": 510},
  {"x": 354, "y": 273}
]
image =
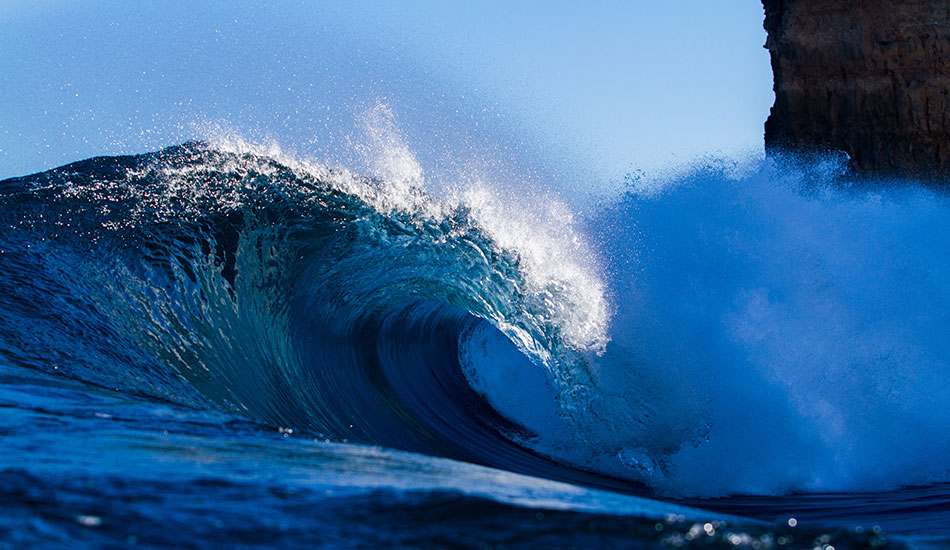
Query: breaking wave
[{"x": 754, "y": 333}]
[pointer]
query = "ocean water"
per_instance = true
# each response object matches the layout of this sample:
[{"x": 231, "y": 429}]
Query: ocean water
[{"x": 220, "y": 345}]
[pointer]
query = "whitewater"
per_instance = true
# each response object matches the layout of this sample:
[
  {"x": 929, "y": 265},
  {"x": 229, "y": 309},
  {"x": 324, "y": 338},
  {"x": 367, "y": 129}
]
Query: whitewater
[{"x": 740, "y": 354}]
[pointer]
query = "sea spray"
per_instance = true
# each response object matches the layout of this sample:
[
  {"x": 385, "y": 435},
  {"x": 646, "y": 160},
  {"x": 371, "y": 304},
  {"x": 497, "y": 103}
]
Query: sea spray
[{"x": 803, "y": 321}]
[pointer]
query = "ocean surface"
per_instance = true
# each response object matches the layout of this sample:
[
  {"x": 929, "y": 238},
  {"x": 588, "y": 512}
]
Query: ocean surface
[{"x": 218, "y": 345}]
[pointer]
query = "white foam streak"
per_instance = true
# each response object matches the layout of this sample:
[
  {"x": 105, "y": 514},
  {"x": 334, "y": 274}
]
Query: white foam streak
[
  {"x": 398, "y": 188},
  {"x": 386, "y": 151},
  {"x": 559, "y": 266}
]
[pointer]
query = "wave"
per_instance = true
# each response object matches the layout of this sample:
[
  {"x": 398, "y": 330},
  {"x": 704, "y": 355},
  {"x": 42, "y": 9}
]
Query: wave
[
  {"x": 753, "y": 333},
  {"x": 300, "y": 296}
]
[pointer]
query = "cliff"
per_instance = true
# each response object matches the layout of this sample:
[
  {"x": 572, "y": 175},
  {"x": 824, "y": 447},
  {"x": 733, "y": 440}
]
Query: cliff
[{"x": 870, "y": 78}]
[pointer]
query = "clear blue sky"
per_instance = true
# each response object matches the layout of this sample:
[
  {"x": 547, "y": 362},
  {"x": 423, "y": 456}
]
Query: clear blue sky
[{"x": 606, "y": 87}]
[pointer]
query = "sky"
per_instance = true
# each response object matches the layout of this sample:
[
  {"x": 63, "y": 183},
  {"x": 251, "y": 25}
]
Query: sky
[{"x": 568, "y": 90}]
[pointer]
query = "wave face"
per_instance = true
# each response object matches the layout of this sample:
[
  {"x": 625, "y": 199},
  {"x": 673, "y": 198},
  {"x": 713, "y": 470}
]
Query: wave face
[{"x": 763, "y": 333}]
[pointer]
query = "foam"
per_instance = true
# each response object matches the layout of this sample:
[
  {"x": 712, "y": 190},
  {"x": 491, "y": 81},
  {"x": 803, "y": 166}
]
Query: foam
[{"x": 799, "y": 327}]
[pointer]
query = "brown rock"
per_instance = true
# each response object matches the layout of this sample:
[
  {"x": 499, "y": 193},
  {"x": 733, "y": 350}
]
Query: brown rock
[{"x": 868, "y": 77}]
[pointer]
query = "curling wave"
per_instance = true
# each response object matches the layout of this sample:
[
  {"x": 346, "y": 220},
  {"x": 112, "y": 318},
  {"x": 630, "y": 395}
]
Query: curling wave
[{"x": 353, "y": 309}]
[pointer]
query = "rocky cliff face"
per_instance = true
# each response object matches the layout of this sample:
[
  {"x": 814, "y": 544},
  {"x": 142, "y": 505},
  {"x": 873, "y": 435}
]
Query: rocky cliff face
[{"x": 868, "y": 77}]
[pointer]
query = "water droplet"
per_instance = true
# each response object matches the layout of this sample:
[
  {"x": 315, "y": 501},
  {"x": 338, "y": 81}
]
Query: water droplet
[{"x": 89, "y": 521}]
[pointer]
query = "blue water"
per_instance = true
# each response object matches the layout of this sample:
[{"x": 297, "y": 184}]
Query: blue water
[{"x": 217, "y": 345}]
